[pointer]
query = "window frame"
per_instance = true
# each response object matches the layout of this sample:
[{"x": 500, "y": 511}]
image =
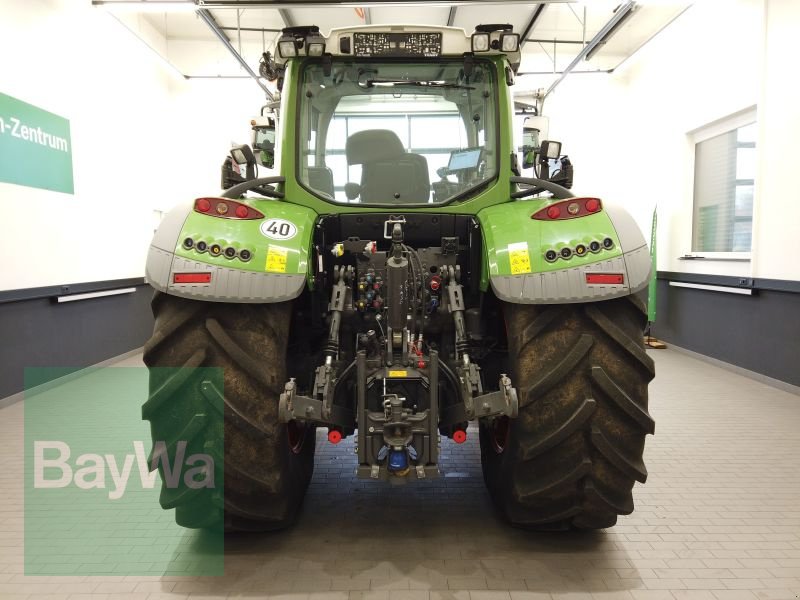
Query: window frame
[
  {"x": 468, "y": 194},
  {"x": 716, "y": 128}
]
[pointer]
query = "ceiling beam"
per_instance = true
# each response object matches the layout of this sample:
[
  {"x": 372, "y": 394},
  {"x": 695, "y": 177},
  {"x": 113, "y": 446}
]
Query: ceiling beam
[
  {"x": 286, "y": 17},
  {"x": 543, "y": 41},
  {"x": 531, "y": 24},
  {"x": 451, "y": 17},
  {"x": 283, "y": 4},
  {"x": 214, "y": 26},
  {"x": 256, "y": 29},
  {"x": 611, "y": 32},
  {"x": 622, "y": 12},
  {"x": 288, "y": 4},
  {"x": 573, "y": 72}
]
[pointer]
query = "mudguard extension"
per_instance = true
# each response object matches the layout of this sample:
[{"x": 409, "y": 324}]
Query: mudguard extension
[
  {"x": 269, "y": 260},
  {"x": 516, "y": 246}
]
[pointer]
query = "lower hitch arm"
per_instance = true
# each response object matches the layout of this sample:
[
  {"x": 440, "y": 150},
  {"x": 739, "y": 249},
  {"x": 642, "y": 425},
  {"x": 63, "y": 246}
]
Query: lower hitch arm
[
  {"x": 476, "y": 403},
  {"x": 319, "y": 406}
]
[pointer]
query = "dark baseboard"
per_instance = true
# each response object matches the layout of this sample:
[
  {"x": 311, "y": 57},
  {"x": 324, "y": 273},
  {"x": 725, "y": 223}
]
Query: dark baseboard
[
  {"x": 39, "y": 332},
  {"x": 758, "y": 332}
]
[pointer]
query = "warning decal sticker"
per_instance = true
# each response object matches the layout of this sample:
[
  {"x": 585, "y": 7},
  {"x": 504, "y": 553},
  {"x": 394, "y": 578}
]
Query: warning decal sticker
[
  {"x": 276, "y": 259},
  {"x": 519, "y": 258}
]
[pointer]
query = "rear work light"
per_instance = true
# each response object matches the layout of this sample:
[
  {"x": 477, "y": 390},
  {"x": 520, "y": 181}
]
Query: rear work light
[
  {"x": 605, "y": 278},
  {"x": 568, "y": 209},
  {"x": 226, "y": 209},
  {"x": 191, "y": 278}
]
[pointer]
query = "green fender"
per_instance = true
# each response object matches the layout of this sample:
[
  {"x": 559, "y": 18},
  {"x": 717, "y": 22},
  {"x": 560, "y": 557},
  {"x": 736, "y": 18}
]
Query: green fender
[
  {"x": 516, "y": 245},
  {"x": 269, "y": 260}
]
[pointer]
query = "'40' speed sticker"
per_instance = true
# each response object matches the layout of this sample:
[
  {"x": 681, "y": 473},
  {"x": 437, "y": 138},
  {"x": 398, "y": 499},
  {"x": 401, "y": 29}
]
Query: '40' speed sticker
[{"x": 278, "y": 229}]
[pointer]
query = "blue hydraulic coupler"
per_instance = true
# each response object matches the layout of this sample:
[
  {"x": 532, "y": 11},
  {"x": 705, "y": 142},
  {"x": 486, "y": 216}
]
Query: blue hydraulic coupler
[{"x": 398, "y": 461}]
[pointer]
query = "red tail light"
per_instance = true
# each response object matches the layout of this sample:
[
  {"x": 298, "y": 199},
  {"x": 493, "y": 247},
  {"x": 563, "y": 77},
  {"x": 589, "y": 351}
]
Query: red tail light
[
  {"x": 191, "y": 278},
  {"x": 226, "y": 209},
  {"x": 605, "y": 278},
  {"x": 569, "y": 209}
]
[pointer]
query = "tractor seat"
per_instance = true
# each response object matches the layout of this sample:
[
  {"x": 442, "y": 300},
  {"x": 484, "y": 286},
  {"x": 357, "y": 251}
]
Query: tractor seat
[{"x": 388, "y": 173}]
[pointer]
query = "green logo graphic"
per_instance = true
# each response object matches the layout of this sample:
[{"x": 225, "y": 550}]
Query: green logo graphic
[
  {"x": 652, "y": 287},
  {"x": 35, "y": 147},
  {"x": 95, "y": 482}
]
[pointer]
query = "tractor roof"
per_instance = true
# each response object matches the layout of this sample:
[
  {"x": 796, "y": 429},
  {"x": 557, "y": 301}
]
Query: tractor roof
[{"x": 399, "y": 41}]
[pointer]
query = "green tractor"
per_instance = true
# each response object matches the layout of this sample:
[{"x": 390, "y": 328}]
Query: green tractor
[{"x": 394, "y": 280}]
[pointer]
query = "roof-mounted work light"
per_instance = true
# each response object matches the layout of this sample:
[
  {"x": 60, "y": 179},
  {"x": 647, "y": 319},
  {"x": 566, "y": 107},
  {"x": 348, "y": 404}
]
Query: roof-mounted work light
[
  {"x": 495, "y": 37},
  {"x": 315, "y": 45},
  {"x": 287, "y": 48},
  {"x": 509, "y": 42},
  {"x": 295, "y": 39},
  {"x": 480, "y": 42}
]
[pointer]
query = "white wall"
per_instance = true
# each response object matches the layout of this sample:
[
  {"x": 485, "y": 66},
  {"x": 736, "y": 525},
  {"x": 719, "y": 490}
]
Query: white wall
[
  {"x": 143, "y": 138},
  {"x": 629, "y": 133},
  {"x": 79, "y": 63},
  {"x": 213, "y": 114},
  {"x": 776, "y": 232},
  {"x": 704, "y": 67}
]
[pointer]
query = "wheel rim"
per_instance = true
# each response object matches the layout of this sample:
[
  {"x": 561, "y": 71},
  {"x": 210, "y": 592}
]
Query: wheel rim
[
  {"x": 499, "y": 434},
  {"x": 296, "y": 436}
]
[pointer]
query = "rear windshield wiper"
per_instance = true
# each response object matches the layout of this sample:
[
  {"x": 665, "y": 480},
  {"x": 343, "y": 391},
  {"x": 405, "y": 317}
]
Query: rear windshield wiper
[{"x": 368, "y": 83}]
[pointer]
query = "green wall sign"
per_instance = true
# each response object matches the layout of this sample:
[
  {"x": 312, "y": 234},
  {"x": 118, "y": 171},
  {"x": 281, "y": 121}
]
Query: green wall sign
[{"x": 35, "y": 147}]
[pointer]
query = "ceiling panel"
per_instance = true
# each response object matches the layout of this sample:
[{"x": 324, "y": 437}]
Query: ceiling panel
[
  {"x": 518, "y": 15},
  {"x": 645, "y": 22},
  {"x": 250, "y": 17},
  {"x": 179, "y": 25},
  {"x": 418, "y": 15},
  {"x": 325, "y": 18},
  {"x": 559, "y": 29}
]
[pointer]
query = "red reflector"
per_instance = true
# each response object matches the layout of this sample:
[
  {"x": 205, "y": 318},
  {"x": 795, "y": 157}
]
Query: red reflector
[
  {"x": 593, "y": 205},
  {"x": 226, "y": 209},
  {"x": 605, "y": 278},
  {"x": 334, "y": 437},
  {"x": 191, "y": 278},
  {"x": 569, "y": 209},
  {"x": 459, "y": 436}
]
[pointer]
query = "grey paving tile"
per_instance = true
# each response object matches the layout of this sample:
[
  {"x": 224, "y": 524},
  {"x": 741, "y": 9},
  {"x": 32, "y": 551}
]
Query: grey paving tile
[{"x": 717, "y": 520}]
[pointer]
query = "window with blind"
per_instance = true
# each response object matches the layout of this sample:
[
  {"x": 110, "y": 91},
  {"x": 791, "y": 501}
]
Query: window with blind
[{"x": 724, "y": 179}]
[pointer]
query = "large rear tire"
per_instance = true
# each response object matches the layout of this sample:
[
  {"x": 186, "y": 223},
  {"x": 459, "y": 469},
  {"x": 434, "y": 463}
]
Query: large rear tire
[
  {"x": 266, "y": 466},
  {"x": 569, "y": 461}
]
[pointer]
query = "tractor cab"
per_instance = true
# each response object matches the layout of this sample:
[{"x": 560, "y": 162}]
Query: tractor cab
[{"x": 408, "y": 115}]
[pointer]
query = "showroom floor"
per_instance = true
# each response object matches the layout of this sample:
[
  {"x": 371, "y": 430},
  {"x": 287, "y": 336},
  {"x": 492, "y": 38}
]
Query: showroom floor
[{"x": 719, "y": 519}]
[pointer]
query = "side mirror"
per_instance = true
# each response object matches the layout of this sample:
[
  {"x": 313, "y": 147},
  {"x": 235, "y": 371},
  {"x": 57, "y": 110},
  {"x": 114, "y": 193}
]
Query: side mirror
[
  {"x": 232, "y": 166},
  {"x": 528, "y": 157},
  {"x": 267, "y": 158},
  {"x": 264, "y": 140},
  {"x": 243, "y": 155},
  {"x": 533, "y": 130},
  {"x": 549, "y": 150}
]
